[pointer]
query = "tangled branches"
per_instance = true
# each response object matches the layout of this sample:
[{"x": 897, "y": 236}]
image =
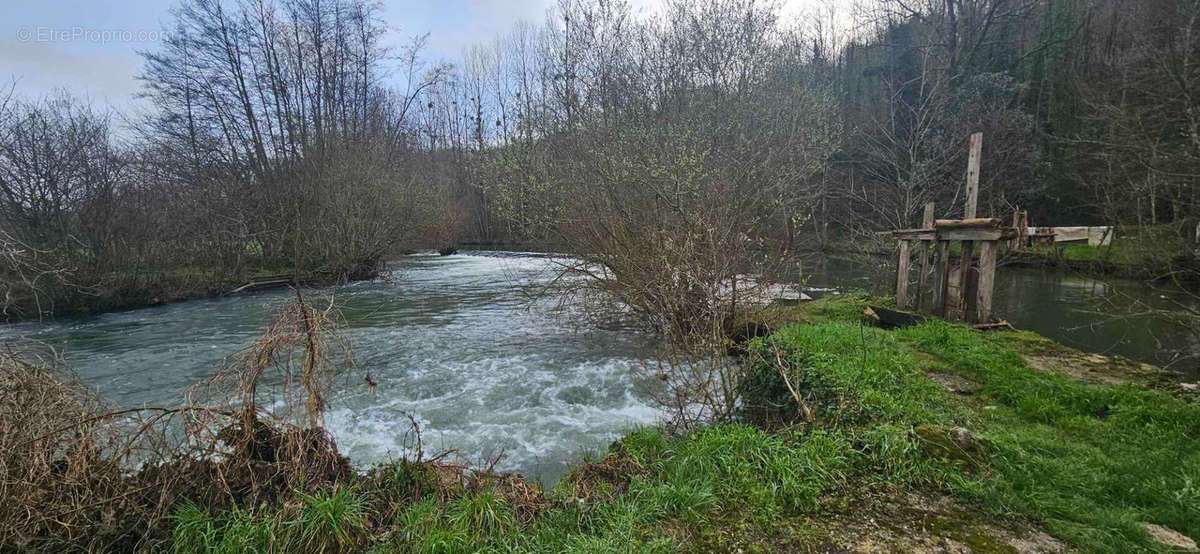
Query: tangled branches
[
  {"x": 27, "y": 277},
  {"x": 79, "y": 474}
]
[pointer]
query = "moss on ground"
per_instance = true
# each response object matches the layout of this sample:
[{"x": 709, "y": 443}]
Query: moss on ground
[{"x": 1061, "y": 462}]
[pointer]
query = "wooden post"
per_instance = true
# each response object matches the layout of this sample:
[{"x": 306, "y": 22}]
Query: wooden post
[
  {"x": 987, "y": 281},
  {"x": 926, "y": 248},
  {"x": 973, "y": 174},
  {"x": 902, "y": 276},
  {"x": 1023, "y": 230},
  {"x": 941, "y": 277},
  {"x": 1015, "y": 242},
  {"x": 972, "y": 202}
]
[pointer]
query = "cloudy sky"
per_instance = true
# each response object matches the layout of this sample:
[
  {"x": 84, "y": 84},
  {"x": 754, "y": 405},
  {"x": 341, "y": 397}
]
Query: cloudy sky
[{"x": 91, "y": 47}]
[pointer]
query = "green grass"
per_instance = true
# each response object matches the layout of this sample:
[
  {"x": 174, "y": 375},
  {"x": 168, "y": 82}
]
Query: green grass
[
  {"x": 197, "y": 530},
  {"x": 326, "y": 522},
  {"x": 1088, "y": 463}
]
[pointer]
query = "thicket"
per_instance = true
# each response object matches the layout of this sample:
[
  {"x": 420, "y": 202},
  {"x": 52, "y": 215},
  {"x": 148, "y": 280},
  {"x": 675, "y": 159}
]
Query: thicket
[
  {"x": 1085, "y": 105},
  {"x": 273, "y": 145}
]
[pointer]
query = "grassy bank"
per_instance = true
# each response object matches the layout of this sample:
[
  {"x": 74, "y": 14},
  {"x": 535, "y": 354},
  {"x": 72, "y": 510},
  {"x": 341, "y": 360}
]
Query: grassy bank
[
  {"x": 934, "y": 437},
  {"x": 1167, "y": 252}
]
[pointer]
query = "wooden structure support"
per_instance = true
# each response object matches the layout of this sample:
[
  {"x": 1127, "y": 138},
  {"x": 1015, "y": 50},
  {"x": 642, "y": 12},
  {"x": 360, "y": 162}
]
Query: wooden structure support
[
  {"x": 971, "y": 298},
  {"x": 968, "y": 246},
  {"x": 927, "y": 247},
  {"x": 902, "y": 276}
]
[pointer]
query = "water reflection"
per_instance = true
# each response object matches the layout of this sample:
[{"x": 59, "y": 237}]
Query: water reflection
[{"x": 1105, "y": 315}]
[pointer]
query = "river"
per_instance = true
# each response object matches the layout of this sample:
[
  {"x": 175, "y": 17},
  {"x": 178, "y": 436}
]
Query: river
[
  {"x": 453, "y": 342},
  {"x": 450, "y": 340}
]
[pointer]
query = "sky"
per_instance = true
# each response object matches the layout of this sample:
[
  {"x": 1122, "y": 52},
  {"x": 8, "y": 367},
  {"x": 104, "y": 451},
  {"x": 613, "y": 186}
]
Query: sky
[{"x": 91, "y": 47}]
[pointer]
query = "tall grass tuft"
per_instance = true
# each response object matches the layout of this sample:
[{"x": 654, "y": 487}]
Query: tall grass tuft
[{"x": 329, "y": 521}]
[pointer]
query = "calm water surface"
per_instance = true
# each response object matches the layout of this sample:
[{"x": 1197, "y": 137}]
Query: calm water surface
[{"x": 1105, "y": 315}]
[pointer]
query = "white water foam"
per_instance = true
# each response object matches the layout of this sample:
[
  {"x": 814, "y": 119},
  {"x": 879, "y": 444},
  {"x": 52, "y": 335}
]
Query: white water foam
[{"x": 450, "y": 341}]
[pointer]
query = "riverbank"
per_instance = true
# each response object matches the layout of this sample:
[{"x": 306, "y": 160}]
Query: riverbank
[
  {"x": 935, "y": 438},
  {"x": 130, "y": 291},
  {"x": 1122, "y": 259}
]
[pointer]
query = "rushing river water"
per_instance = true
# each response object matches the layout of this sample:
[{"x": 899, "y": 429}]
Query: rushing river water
[{"x": 452, "y": 342}]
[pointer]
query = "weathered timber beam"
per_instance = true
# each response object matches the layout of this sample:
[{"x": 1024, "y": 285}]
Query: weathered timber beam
[
  {"x": 914, "y": 234},
  {"x": 963, "y": 233},
  {"x": 980, "y": 222},
  {"x": 942, "y": 278},
  {"x": 926, "y": 253},
  {"x": 971, "y": 233},
  {"x": 987, "y": 282}
]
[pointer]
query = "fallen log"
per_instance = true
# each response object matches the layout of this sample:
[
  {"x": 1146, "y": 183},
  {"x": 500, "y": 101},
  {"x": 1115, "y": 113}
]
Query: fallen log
[
  {"x": 892, "y": 319},
  {"x": 269, "y": 282}
]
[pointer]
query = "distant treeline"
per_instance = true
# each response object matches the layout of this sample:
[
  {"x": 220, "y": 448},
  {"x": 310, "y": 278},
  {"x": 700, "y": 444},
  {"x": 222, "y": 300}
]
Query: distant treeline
[
  {"x": 1089, "y": 107},
  {"x": 293, "y": 136}
]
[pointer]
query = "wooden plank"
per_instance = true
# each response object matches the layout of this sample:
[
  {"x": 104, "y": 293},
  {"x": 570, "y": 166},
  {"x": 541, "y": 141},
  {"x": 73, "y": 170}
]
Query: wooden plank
[
  {"x": 926, "y": 250},
  {"x": 1070, "y": 234},
  {"x": 914, "y": 234},
  {"x": 987, "y": 282},
  {"x": 976, "y": 222},
  {"x": 970, "y": 234},
  {"x": 902, "y": 276},
  {"x": 967, "y": 233},
  {"x": 1099, "y": 236}
]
